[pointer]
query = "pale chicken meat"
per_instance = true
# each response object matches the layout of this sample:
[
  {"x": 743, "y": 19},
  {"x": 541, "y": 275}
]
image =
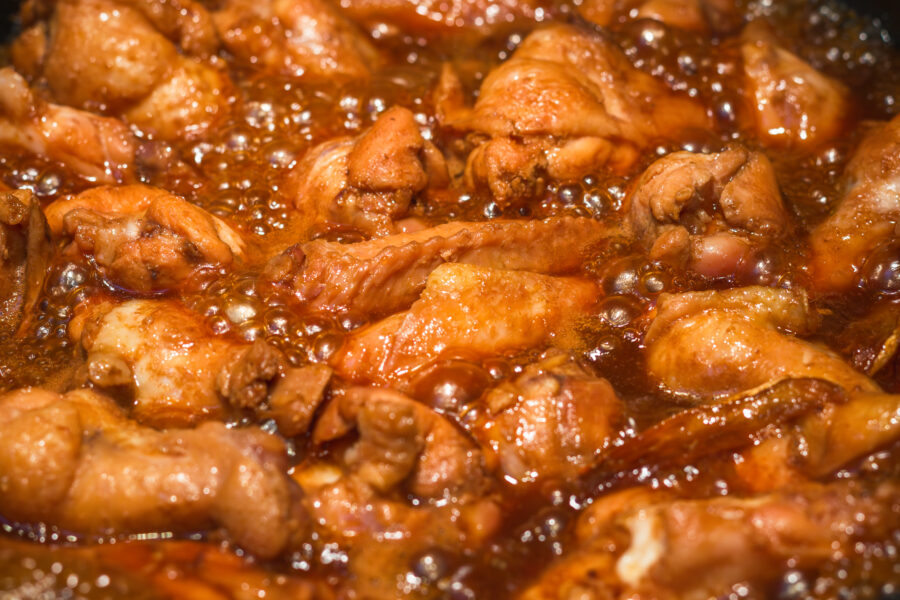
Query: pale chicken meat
[
  {"x": 24, "y": 256},
  {"x": 676, "y": 548},
  {"x": 709, "y": 212},
  {"x": 565, "y": 104},
  {"x": 146, "y": 239},
  {"x": 792, "y": 104},
  {"x": 866, "y": 217},
  {"x": 178, "y": 372},
  {"x": 98, "y": 473},
  {"x": 402, "y": 442},
  {"x": 550, "y": 422},
  {"x": 701, "y": 16},
  {"x": 387, "y": 274},
  {"x": 468, "y": 308},
  {"x": 309, "y": 39},
  {"x": 366, "y": 182},
  {"x": 140, "y": 76},
  {"x": 100, "y": 149}
]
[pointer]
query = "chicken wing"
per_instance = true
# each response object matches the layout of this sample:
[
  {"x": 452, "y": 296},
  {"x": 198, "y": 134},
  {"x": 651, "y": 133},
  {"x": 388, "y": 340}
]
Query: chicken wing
[
  {"x": 145, "y": 239},
  {"x": 75, "y": 461},
  {"x": 468, "y": 308}
]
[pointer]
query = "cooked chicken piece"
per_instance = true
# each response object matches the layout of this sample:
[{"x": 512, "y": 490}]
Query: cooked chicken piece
[
  {"x": 464, "y": 307},
  {"x": 550, "y": 422},
  {"x": 701, "y": 16},
  {"x": 566, "y": 103},
  {"x": 455, "y": 21},
  {"x": 145, "y": 239},
  {"x": 709, "y": 344},
  {"x": 368, "y": 181},
  {"x": 180, "y": 373},
  {"x": 77, "y": 462},
  {"x": 402, "y": 442},
  {"x": 141, "y": 75},
  {"x": 675, "y": 548},
  {"x": 709, "y": 212},
  {"x": 387, "y": 274},
  {"x": 393, "y": 549},
  {"x": 304, "y": 39},
  {"x": 793, "y": 104},
  {"x": 100, "y": 149},
  {"x": 24, "y": 257},
  {"x": 867, "y": 216}
]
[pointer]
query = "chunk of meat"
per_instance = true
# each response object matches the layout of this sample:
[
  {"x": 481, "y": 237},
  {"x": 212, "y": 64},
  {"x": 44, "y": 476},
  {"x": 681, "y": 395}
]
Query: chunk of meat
[
  {"x": 76, "y": 462},
  {"x": 368, "y": 181},
  {"x": 386, "y": 539},
  {"x": 709, "y": 344},
  {"x": 307, "y": 39},
  {"x": 387, "y": 274},
  {"x": 24, "y": 258},
  {"x": 104, "y": 55},
  {"x": 866, "y": 217},
  {"x": 163, "y": 354},
  {"x": 708, "y": 211},
  {"x": 454, "y": 22},
  {"x": 402, "y": 442},
  {"x": 793, "y": 104},
  {"x": 566, "y": 103},
  {"x": 145, "y": 239},
  {"x": 674, "y": 548},
  {"x": 550, "y": 422},
  {"x": 100, "y": 149},
  {"x": 701, "y": 16},
  {"x": 463, "y": 307}
]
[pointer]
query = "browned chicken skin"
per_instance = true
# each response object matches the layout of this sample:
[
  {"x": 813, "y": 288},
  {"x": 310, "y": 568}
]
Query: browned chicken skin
[
  {"x": 366, "y": 182},
  {"x": 566, "y": 103},
  {"x": 676, "y": 548},
  {"x": 866, "y": 216},
  {"x": 101, "y": 149},
  {"x": 145, "y": 239},
  {"x": 24, "y": 255},
  {"x": 387, "y": 274},
  {"x": 701, "y": 16},
  {"x": 472, "y": 309},
  {"x": 143, "y": 77},
  {"x": 708, "y": 211},
  {"x": 306, "y": 39},
  {"x": 91, "y": 455}
]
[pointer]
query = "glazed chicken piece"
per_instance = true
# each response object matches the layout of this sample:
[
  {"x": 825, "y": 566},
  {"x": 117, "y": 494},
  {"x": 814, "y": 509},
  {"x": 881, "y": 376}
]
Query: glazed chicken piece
[
  {"x": 402, "y": 442},
  {"x": 108, "y": 56},
  {"x": 100, "y": 149},
  {"x": 179, "y": 373},
  {"x": 145, "y": 239},
  {"x": 394, "y": 549},
  {"x": 640, "y": 543},
  {"x": 793, "y": 104},
  {"x": 306, "y": 39},
  {"x": 550, "y": 422},
  {"x": 387, "y": 274},
  {"x": 708, "y": 212},
  {"x": 368, "y": 181},
  {"x": 455, "y": 22},
  {"x": 701, "y": 16},
  {"x": 710, "y": 344},
  {"x": 566, "y": 103},
  {"x": 846, "y": 246},
  {"x": 65, "y": 457},
  {"x": 24, "y": 257},
  {"x": 467, "y": 308}
]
